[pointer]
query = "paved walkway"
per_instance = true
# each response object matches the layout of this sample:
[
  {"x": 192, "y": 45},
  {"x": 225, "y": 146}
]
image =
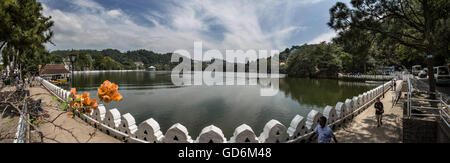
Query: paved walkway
[
  {"x": 363, "y": 128},
  {"x": 79, "y": 128}
]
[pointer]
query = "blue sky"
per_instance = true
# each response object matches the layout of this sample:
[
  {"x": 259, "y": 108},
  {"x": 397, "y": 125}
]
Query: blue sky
[{"x": 165, "y": 26}]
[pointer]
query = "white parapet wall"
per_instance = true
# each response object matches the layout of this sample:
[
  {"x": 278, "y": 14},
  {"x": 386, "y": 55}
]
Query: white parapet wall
[
  {"x": 367, "y": 77},
  {"x": 124, "y": 127},
  {"x": 244, "y": 134}
]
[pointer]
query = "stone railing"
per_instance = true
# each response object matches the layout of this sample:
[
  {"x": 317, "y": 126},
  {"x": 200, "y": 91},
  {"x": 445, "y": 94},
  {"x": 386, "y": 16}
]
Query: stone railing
[
  {"x": 21, "y": 134},
  {"x": 367, "y": 77},
  {"x": 124, "y": 127}
]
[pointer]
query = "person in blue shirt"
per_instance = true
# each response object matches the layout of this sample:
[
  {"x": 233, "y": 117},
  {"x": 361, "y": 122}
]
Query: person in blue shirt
[{"x": 324, "y": 132}]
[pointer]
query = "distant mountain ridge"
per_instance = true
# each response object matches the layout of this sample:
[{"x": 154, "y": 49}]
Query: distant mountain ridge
[
  {"x": 112, "y": 59},
  {"x": 125, "y": 59}
]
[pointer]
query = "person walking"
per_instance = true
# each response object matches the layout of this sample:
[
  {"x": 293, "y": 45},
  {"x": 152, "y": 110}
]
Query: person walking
[
  {"x": 395, "y": 85},
  {"x": 325, "y": 133},
  {"x": 31, "y": 81},
  {"x": 16, "y": 82},
  {"x": 379, "y": 110}
]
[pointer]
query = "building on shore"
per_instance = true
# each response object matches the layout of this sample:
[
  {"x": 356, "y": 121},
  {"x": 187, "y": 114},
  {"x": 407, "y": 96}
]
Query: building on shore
[
  {"x": 152, "y": 68},
  {"x": 139, "y": 65},
  {"x": 56, "y": 72},
  {"x": 67, "y": 63}
]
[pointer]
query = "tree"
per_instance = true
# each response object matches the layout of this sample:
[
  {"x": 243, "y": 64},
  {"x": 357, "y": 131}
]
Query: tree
[
  {"x": 23, "y": 32},
  {"x": 83, "y": 62},
  {"x": 416, "y": 24},
  {"x": 111, "y": 64},
  {"x": 356, "y": 42},
  {"x": 347, "y": 62},
  {"x": 127, "y": 59},
  {"x": 315, "y": 60}
]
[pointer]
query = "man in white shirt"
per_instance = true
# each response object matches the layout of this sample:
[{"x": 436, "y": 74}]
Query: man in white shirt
[{"x": 324, "y": 132}]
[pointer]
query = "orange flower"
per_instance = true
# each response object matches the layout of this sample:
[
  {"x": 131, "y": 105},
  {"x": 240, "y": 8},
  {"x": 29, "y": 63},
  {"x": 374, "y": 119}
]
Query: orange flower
[
  {"x": 106, "y": 98},
  {"x": 113, "y": 93},
  {"x": 83, "y": 102},
  {"x": 78, "y": 97},
  {"x": 93, "y": 101},
  {"x": 86, "y": 95},
  {"x": 73, "y": 91},
  {"x": 94, "y": 104},
  {"x": 106, "y": 84},
  {"x": 117, "y": 97},
  {"x": 109, "y": 91},
  {"x": 102, "y": 90},
  {"x": 87, "y": 101},
  {"x": 114, "y": 87},
  {"x": 100, "y": 95}
]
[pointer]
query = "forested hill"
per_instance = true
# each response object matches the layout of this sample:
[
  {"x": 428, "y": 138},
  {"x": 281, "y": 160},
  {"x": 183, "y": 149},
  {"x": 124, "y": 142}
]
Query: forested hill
[{"x": 110, "y": 59}]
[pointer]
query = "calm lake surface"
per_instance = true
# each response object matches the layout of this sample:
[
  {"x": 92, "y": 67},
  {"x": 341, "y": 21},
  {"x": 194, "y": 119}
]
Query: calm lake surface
[{"x": 153, "y": 95}]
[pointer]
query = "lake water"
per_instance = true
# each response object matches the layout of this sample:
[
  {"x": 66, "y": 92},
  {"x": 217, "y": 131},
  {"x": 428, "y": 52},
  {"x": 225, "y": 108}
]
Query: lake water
[{"x": 153, "y": 95}]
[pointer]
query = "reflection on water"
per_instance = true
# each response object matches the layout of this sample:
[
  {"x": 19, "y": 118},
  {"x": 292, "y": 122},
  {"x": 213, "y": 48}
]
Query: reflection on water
[{"x": 153, "y": 95}]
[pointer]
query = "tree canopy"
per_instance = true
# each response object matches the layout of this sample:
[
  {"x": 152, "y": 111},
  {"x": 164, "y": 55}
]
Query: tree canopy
[
  {"x": 110, "y": 59},
  {"x": 23, "y": 33},
  {"x": 324, "y": 59},
  {"x": 398, "y": 24}
]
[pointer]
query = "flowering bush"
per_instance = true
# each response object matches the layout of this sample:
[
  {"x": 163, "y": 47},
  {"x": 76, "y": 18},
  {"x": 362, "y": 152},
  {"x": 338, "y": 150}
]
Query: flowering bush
[
  {"x": 109, "y": 91},
  {"x": 81, "y": 102}
]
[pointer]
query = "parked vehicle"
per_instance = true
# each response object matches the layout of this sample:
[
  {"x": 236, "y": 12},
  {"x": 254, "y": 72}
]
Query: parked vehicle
[
  {"x": 442, "y": 75},
  {"x": 423, "y": 73},
  {"x": 415, "y": 69}
]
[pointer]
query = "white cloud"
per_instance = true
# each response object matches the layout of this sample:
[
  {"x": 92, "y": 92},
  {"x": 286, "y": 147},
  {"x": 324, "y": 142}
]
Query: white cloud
[
  {"x": 323, "y": 37},
  {"x": 114, "y": 13},
  {"x": 95, "y": 30},
  {"x": 87, "y": 4},
  {"x": 94, "y": 27}
]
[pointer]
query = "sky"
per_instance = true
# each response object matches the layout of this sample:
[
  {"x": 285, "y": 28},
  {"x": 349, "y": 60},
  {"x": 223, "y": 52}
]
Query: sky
[{"x": 168, "y": 25}]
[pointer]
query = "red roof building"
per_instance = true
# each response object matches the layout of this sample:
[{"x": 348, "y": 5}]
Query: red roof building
[
  {"x": 54, "y": 72},
  {"x": 54, "y": 69}
]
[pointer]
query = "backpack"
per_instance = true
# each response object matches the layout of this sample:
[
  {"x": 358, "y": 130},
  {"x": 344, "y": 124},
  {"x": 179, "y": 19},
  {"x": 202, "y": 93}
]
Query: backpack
[{"x": 379, "y": 106}]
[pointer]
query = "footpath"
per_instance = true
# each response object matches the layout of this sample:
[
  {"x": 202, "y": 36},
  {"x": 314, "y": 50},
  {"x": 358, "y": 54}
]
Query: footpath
[
  {"x": 75, "y": 130},
  {"x": 63, "y": 128},
  {"x": 363, "y": 128}
]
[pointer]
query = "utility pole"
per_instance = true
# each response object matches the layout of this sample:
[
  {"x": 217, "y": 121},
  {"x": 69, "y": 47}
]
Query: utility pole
[
  {"x": 429, "y": 46},
  {"x": 72, "y": 58},
  {"x": 382, "y": 73}
]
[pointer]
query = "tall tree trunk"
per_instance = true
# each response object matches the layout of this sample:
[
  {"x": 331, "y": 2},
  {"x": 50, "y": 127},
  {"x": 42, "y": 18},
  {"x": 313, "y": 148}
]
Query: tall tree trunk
[
  {"x": 3, "y": 44},
  {"x": 429, "y": 46}
]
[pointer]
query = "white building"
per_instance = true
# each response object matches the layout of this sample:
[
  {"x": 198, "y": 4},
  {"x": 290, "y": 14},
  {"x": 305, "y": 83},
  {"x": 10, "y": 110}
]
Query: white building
[
  {"x": 152, "y": 68},
  {"x": 67, "y": 63}
]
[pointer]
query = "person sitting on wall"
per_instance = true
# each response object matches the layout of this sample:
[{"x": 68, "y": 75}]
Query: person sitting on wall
[
  {"x": 325, "y": 133},
  {"x": 379, "y": 110}
]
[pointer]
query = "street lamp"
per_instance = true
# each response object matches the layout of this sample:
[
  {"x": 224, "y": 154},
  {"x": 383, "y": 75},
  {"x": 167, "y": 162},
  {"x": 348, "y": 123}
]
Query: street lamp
[
  {"x": 72, "y": 58},
  {"x": 382, "y": 76}
]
